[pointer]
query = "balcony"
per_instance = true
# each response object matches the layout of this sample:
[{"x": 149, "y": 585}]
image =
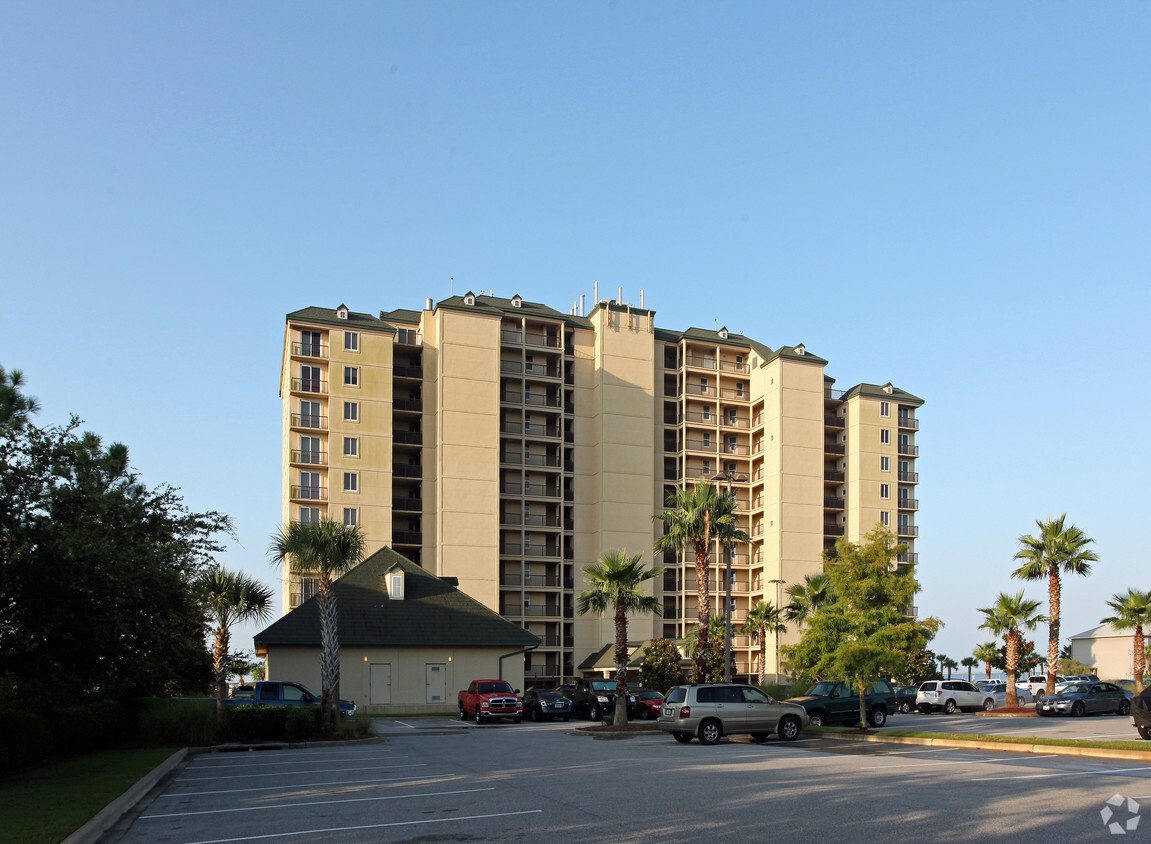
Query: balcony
[
  {"x": 695, "y": 362},
  {"x": 408, "y": 505},
  {"x": 909, "y": 477},
  {"x": 408, "y": 437},
  {"x": 700, "y": 390},
  {"x": 908, "y": 557},
  {"x": 834, "y": 475},
  {"x": 907, "y": 448},
  {"x": 409, "y": 405},
  {"x": 408, "y": 470},
  {"x": 310, "y": 458},
  {"x": 407, "y": 537},
  {"x": 909, "y": 422},
  {"x": 537, "y": 612},
  {"x": 908, "y": 530},
  {"x": 310, "y": 421},
  {"x": 415, "y": 372},
  {"x": 834, "y": 395},
  {"x": 908, "y": 503},
  {"x": 834, "y": 448},
  {"x": 831, "y": 503},
  {"x": 549, "y": 460},
  {"x": 834, "y": 421},
  {"x": 541, "y": 340},
  {"x": 541, "y": 550},
  {"x": 309, "y": 492},
  {"x": 309, "y": 350},
  {"x": 409, "y": 337},
  {"x": 550, "y": 581},
  {"x": 733, "y": 421},
  {"x": 310, "y": 385},
  {"x": 830, "y": 529},
  {"x": 709, "y": 446},
  {"x": 732, "y": 366}
]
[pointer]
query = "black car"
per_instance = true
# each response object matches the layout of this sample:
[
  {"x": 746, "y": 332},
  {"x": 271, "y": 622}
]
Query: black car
[
  {"x": 596, "y": 697},
  {"x": 905, "y": 698},
  {"x": 546, "y": 705},
  {"x": 832, "y": 702}
]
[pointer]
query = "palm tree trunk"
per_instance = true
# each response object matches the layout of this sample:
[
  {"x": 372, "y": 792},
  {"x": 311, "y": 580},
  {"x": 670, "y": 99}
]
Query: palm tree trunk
[
  {"x": 1054, "y": 588},
  {"x": 704, "y": 605},
  {"x": 220, "y": 666},
  {"x": 763, "y": 656},
  {"x": 1140, "y": 663},
  {"x": 620, "y": 665},
  {"x": 988, "y": 664},
  {"x": 1012, "y": 667},
  {"x": 329, "y": 655}
]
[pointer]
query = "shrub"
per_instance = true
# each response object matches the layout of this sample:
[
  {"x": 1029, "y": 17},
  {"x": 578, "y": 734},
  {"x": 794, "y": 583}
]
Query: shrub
[
  {"x": 91, "y": 726},
  {"x": 302, "y": 723},
  {"x": 255, "y": 723},
  {"x": 190, "y": 723},
  {"x": 353, "y": 728},
  {"x": 25, "y": 737}
]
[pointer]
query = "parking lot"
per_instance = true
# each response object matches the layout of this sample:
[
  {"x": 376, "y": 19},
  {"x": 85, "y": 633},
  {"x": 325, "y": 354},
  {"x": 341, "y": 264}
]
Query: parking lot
[{"x": 437, "y": 779}]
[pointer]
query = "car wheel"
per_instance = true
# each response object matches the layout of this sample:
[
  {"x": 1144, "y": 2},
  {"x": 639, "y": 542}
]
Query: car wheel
[
  {"x": 1078, "y": 708},
  {"x": 988, "y": 704},
  {"x": 517, "y": 720},
  {"x": 710, "y": 731},
  {"x": 463, "y": 714},
  {"x": 593, "y": 712},
  {"x": 904, "y": 708},
  {"x": 949, "y": 707},
  {"x": 759, "y": 738},
  {"x": 681, "y": 737},
  {"x": 1144, "y": 733},
  {"x": 877, "y": 717},
  {"x": 816, "y": 719},
  {"x": 479, "y": 718},
  {"x": 1124, "y": 708},
  {"x": 789, "y": 728}
]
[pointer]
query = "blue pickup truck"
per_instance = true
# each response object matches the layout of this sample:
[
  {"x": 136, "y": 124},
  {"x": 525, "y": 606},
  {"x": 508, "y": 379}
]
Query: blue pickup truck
[{"x": 276, "y": 693}]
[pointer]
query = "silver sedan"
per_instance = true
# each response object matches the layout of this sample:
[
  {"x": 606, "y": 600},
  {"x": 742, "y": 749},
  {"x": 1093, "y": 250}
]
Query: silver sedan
[{"x": 999, "y": 692}]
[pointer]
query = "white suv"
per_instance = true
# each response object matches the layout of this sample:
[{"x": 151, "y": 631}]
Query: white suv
[
  {"x": 949, "y": 695},
  {"x": 1037, "y": 684}
]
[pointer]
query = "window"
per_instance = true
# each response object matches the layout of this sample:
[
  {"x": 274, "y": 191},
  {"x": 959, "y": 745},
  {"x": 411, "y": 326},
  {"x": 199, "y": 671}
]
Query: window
[
  {"x": 884, "y": 409},
  {"x": 351, "y": 446},
  {"x": 352, "y": 341},
  {"x": 310, "y": 414},
  {"x": 707, "y": 439},
  {"x": 706, "y": 468},
  {"x": 703, "y": 386},
  {"x": 351, "y": 411},
  {"x": 310, "y": 450},
  {"x": 351, "y": 516},
  {"x": 351, "y": 481},
  {"x": 351, "y": 376},
  {"x": 739, "y": 389},
  {"x": 310, "y": 486},
  {"x": 884, "y": 491},
  {"x": 310, "y": 379},
  {"x": 309, "y": 515},
  {"x": 885, "y": 464},
  {"x": 885, "y": 436},
  {"x": 529, "y": 362},
  {"x": 707, "y": 412},
  {"x": 310, "y": 344},
  {"x": 309, "y": 586},
  {"x": 885, "y": 517}
]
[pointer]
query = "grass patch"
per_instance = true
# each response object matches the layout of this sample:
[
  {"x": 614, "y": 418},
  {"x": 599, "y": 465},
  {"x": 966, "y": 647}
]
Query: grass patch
[
  {"x": 1135, "y": 744},
  {"x": 45, "y": 804}
]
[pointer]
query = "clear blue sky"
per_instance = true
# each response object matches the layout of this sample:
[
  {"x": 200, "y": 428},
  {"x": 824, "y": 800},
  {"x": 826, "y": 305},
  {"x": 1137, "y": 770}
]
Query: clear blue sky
[{"x": 955, "y": 197}]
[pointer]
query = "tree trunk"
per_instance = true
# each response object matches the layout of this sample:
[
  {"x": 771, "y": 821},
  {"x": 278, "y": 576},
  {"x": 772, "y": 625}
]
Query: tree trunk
[
  {"x": 988, "y": 670},
  {"x": 620, "y": 665},
  {"x": 1054, "y": 588},
  {"x": 704, "y": 609},
  {"x": 863, "y": 707},
  {"x": 329, "y": 655},
  {"x": 763, "y": 657},
  {"x": 220, "y": 667},
  {"x": 1012, "y": 667},
  {"x": 1140, "y": 662}
]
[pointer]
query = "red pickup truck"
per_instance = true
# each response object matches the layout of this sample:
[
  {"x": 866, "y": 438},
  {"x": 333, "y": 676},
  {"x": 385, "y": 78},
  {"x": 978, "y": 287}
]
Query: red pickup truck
[{"x": 486, "y": 699}]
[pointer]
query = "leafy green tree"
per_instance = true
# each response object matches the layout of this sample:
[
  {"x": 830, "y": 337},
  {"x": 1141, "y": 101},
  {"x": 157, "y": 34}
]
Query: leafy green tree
[
  {"x": 863, "y": 634},
  {"x": 660, "y": 667},
  {"x": 227, "y": 598},
  {"x": 1007, "y": 617},
  {"x": 764, "y": 618},
  {"x": 1059, "y": 549},
  {"x": 808, "y": 597},
  {"x": 969, "y": 663},
  {"x": 1132, "y": 612},
  {"x": 95, "y": 568},
  {"x": 988, "y": 654},
  {"x": 698, "y": 516},
  {"x": 325, "y": 550},
  {"x": 617, "y": 584}
]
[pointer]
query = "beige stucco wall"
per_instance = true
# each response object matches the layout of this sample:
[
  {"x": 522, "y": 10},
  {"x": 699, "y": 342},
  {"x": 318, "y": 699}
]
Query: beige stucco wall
[
  {"x": 408, "y": 669},
  {"x": 1112, "y": 657}
]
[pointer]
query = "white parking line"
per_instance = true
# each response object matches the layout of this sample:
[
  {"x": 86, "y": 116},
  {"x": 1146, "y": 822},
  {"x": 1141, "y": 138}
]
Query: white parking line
[
  {"x": 909, "y": 752},
  {"x": 318, "y": 771},
  {"x": 367, "y": 826},
  {"x": 288, "y": 761},
  {"x": 1119, "y": 771},
  {"x": 262, "y": 807},
  {"x": 405, "y": 724},
  {"x": 990, "y": 760},
  {"x": 310, "y": 785}
]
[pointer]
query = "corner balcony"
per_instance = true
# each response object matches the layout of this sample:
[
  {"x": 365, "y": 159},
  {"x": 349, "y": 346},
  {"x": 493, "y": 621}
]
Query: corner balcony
[
  {"x": 310, "y": 421},
  {"x": 309, "y": 492},
  {"x": 313, "y": 386},
  {"x": 309, "y": 350},
  {"x": 309, "y": 458}
]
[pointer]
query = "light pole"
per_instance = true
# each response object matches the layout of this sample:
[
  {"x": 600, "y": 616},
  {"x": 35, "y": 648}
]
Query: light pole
[
  {"x": 778, "y": 600},
  {"x": 729, "y": 477}
]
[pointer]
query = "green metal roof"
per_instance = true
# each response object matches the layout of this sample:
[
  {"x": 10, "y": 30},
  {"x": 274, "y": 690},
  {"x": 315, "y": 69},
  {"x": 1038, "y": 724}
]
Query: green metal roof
[
  {"x": 496, "y": 306},
  {"x": 327, "y": 316},
  {"x": 432, "y": 612},
  {"x": 877, "y": 391}
]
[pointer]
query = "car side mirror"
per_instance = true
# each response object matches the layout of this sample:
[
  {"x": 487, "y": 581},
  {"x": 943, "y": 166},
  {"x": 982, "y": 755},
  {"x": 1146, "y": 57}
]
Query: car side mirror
[
  {"x": 517, "y": 691},
  {"x": 309, "y": 699},
  {"x": 833, "y": 693}
]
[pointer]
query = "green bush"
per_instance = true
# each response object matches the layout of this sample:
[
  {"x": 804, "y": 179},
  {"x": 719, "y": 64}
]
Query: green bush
[
  {"x": 354, "y": 728},
  {"x": 91, "y": 726},
  {"x": 188, "y": 723},
  {"x": 255, "y": 723},
  {"x": 302, "y": 723},
  {"x": 25, "y": 738}
]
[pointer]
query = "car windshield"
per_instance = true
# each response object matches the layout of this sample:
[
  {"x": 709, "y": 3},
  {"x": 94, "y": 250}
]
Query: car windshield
[
  {"x": 821, "y": 689},
  {"x": 603, "y": 685},
  {"x": 650, "y": 696},
  {"x": 1077, "y": 689},
  {"x": 494, "y": 688}
]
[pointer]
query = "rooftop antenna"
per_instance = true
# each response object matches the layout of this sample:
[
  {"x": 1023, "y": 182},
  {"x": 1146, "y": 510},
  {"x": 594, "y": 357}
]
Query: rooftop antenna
[
  {"x": 452, "y": 286},
  {"x": 595, "y": 292},
  {"x": 641, "y": 307}
]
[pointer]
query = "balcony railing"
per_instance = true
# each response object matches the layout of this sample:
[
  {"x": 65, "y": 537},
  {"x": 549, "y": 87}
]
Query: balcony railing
[
  {"x": 832, "y": 529},
  {"x": 409, "y": 337},
  {"x": 308, "y": 492},
  {"x": 416, "y": 405},
  {"x": 908, "y": 530},
  {"x": 408, "y": 504},
  {"x": 909, "y": 477},
  {"x": 312, "y": 421},
  {"x": 310, "y": 458},
  {"x": 908, "y": 557},
  {"x": 834, "y": 475},
  {"x": 407, "y": 537},
  {"x": 834, "y": 448},
  {"x": 698, "y": 362},
  {"x": 408, "y": 371},
  {"x": 831, "y": 503},
  {"x": 908, "y": 503},
  {"x": 547, "y": 580},
  {"x": 735, "y": 422},
  {"x": 908, "y": 422},
  {"x": 408, "y": 437},
  {"x": 834, "y": 421},
  {"x": 834, "y": 395},
  {"x": 408, "y": 470},
  {"x": 700, "y": 389},
  {"x": 309, "y": 350},
  {"x": 698, "y": 445},
  {"x": 309, "y": 385},
  {"x": 732, "y": 366},
  {"x": 550, "y": 460},
  {"x": 733, "y": 393},
  {"x": 905, "y": 448}
]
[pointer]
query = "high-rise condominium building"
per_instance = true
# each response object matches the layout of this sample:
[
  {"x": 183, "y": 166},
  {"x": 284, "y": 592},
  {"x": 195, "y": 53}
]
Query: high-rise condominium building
[{"x": 508, "y": 445}]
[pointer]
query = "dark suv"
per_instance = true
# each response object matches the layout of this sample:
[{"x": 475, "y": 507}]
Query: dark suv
[
  {"x": 595, "y": 698},
  {"x": 832, "y": 702}
]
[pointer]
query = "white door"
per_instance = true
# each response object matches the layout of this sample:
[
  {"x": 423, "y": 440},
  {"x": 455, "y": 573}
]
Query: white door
[
  {"x": 381, "y": 683},
  {"x": 436, "y": 681}
]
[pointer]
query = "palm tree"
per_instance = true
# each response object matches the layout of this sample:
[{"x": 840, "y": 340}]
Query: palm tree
[
  {"x": 986, "y": 653},
  {"x": 948, "y": 663},
  {"x": 807, "y": 597},
  {"x": 1011, "y": 614},
  {"x": 698, "y": 516},
  {"x": 617, "y": 583},
  {"x": 764, "y": 618},
  {"x": 228, "y": 597},
  {"x": 1057, "y": 550},
  {"x": 325, "y": 550},
  {"x": 1132, "y": 611},
  {"x": 969, "y": 663}
]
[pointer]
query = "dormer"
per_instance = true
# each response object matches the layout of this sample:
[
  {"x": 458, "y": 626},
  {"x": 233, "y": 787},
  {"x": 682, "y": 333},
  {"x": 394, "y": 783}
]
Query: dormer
[
  {"x": 889, "y": 388},
  {"x": 800, "y": 350},
  {"x": 469, "y": 298},
  {"x": 342, "y": 312},
  {"x": 723, "y": 333},
  {"x": 394, "y": 580},
  {"x": 517, "y": 301}
]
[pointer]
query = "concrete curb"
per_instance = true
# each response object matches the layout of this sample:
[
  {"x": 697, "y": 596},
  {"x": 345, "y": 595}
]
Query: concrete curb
[
  {"x": 1013, "y": 747},
  {"x": 107, "y": 817}
]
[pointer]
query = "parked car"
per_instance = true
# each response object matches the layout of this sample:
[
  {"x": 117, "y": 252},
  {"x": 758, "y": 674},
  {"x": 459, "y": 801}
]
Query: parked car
[
  {"x": 830, "y": 702},
  {"x": 1037, "y": 684},
  {"x": 1141, "y": 713},
  {"x": 999, "y": 692},
  {"x": 1082, "y": 678},
  {"x": 713, "y": 710},
  {"x": 648, "y": 703},
  {"x": 979, "y": 684},
  {"x": 546, "y": 705},
  {"x": 1086, "y": 698},
  {"x": 485, "y": 700},
  {"x": 905, "y": 698},
  {"x": 949, "y": 695},
  {"x": 280, "y": 693},
  {"x": 596, "y": 697}
]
